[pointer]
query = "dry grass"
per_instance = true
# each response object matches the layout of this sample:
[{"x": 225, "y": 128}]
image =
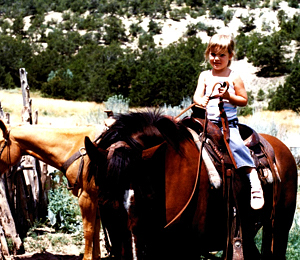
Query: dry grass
[
  {"x": 51, "y": 111},
  {"x": 284, "y": 125},
  {"x": 286, "y": 119},
  {"x": 68, "y": 113}
]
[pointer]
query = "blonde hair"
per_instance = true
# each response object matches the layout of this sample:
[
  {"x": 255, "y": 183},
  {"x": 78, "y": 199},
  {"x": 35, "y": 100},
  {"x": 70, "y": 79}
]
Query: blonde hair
[{"x": 222, "y": 43}]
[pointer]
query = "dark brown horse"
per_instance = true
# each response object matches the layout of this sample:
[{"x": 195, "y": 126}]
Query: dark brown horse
[{"x": 174, "y": 213}]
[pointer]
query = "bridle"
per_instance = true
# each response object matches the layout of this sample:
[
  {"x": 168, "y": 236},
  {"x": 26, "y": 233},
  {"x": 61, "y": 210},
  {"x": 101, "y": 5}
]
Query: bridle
[{"x": 6, "y": 138}]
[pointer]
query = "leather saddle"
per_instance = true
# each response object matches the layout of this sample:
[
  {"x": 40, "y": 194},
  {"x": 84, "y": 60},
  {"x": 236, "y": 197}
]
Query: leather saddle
[{"x": 261, "y": 151}]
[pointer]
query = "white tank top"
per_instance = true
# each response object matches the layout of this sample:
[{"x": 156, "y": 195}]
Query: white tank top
[{"x": 212, "y": 108}]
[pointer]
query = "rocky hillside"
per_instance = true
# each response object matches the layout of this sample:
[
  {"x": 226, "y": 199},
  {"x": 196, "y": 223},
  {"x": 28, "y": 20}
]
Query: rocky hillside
[{"x": 141, "y": 28}]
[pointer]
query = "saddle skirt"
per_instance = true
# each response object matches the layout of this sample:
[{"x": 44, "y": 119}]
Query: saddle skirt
[{"x": 214, "y": 151}]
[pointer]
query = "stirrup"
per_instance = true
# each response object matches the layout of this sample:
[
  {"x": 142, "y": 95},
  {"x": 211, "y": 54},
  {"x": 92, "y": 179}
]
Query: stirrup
[{"x": 257, "y": 199}]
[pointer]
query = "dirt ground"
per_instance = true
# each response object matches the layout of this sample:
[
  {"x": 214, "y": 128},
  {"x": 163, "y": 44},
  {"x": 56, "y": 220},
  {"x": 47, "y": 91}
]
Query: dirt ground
[
  {"x": 43, "y": 247},
  {"x": 48, "y": 256}
]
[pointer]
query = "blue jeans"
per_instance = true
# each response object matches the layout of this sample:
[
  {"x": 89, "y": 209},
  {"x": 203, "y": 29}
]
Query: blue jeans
[{"x": 240, "y": 152}]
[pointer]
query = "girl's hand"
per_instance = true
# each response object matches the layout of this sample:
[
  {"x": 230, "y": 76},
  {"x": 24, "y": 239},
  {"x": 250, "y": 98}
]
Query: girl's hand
[
  {"x": 203, "y": 101},
  {"x": 224, "y": 92}
]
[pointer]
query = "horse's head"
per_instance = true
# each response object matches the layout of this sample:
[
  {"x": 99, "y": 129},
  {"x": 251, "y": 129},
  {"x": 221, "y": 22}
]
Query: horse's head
[
  {"x": 131, "y": 206},
  {"x": 5, "y": 160},
  {"x": 116, "y": 201},
  {"x": 131, "y": 173},
  {"x": 10, "y": 151}
]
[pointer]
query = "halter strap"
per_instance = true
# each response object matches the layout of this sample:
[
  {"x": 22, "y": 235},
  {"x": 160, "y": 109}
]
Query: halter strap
[
  {"x": 81, "y": 153},
  {"x": 72, "y": 159},
  {"x": 5, "y": 142}
]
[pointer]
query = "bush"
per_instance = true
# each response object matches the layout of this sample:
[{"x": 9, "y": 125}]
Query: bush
[
  {"x": 293, "y": 251},
  {"x": 114, "y": 30},
  {"x": 117, "y": 104},
  {"x": 216, "y": 12},
  {"x": 154, "y": 27},
  {"x": 267, "y": 53},
  {"x": 288, "y": 95},
  {"x": 167, "y": 75},
  {"x": 241, "y": 46},
  {"x": 248, "y": 24},
  {"x": 135, "y": 29},
  {"x": 194, "y": 28},
  {"x": 247, "y": 110},
  {"x": 260, "y": 95},
  {"x": 63, "y": 209}
]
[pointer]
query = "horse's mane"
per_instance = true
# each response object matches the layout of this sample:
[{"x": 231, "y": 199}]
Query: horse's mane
[
  {"x": 149, "y": 126},
  {"x": 140, "y": 130}
]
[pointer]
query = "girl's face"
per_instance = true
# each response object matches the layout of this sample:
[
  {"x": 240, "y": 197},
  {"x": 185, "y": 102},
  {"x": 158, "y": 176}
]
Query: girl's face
[{"x": 219, "y": 59}]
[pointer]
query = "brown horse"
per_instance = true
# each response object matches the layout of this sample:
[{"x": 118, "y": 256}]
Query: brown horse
[
  {"x": 174, "y": 213},
  {"x": 55, "y": 146}
]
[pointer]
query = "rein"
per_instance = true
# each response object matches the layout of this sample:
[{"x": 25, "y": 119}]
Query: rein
[
  {"x": 227, "y": 175},
  {"x": 197, "y": 139},
  {"x": 210, "y": 97}
]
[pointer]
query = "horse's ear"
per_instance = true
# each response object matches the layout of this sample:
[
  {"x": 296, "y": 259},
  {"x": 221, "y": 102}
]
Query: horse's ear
[
  {"x": 149, "y": 153},
  {"x": 4, "y": 129},
  {"x": 95, "y": 153}
]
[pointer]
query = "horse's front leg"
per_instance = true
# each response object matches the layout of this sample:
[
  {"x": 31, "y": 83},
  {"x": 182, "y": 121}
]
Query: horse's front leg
[
  {"x": 88, "y": 207},
  {"x": 96, "y": 238}
]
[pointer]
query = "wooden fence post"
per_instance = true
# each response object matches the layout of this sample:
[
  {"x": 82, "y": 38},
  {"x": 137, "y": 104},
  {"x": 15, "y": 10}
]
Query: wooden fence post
[
  {"x": 4, "y": 116},
  {"x": 7, "y": 224},
  {"x": 32, "y": 168},
  {"x": 27, "y": 101},
  {"x": 23, "y": 195},
  {"x": 23, "y": 198}
]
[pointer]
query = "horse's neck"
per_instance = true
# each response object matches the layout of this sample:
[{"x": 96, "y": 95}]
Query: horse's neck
[{"x": 51, "y": 145}]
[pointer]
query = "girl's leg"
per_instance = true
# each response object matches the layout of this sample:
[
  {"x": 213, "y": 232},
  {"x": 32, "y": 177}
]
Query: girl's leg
[{"x": 244, "y": 160}]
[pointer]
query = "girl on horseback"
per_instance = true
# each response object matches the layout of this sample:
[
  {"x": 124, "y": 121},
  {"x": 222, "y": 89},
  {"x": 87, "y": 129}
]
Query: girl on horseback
[{"x": 219, "y": 52}]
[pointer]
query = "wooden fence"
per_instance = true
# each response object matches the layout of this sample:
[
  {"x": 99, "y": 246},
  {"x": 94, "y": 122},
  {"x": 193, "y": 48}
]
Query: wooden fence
[{"x": 23, "y": 188}]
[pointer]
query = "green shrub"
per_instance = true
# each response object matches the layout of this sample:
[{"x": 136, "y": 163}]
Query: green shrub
[
  {"x": 245, "y": 111},
  {"x": 63, "y": 209},
  {"x": 288, "y": 95},
  {"x": 293, "y": 249},
  {"x": 260, "y": 95},
  {"x": 117, "y": 104},
  {"x": 154, "y": 27},
  {"x": 177, "y": 14},
  {"x": 135, "y": 29},
  {"x": 268, "y": 53}
]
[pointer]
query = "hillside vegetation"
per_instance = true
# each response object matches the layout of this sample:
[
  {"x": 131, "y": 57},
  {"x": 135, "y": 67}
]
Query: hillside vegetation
[{"x": 92, "y": 50}]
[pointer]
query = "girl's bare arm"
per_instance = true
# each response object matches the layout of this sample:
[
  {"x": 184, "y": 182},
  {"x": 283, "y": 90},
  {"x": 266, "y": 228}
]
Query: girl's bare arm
[{"x": 239, "y": 98}]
